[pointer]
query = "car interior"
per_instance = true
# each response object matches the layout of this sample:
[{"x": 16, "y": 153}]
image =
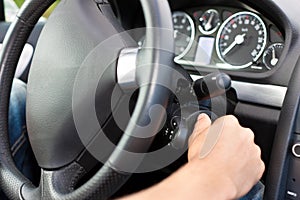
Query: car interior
[{"x": 97, "y": 69}]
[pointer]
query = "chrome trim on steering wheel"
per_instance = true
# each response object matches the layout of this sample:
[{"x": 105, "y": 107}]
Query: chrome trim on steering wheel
[{"x": 126, "y": 68}]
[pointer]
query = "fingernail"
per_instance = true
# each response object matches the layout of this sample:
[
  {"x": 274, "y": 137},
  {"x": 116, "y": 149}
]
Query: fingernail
[{"x": 201, "y": 116}]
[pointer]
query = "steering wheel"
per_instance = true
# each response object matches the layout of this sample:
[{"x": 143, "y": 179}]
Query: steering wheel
[{"x": 68, "y": 44}]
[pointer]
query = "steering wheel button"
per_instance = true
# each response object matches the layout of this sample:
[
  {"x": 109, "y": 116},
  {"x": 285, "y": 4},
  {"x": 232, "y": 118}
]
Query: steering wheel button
[{"x": 296, "y": 150}]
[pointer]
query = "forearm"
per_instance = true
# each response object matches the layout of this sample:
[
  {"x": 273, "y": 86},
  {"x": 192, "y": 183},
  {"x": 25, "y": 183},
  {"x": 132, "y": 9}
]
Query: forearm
[{"x": 187, "y": 184}]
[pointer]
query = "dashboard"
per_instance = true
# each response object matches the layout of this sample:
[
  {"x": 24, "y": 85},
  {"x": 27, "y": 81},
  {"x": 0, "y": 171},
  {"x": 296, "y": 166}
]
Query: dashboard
[
  {"x": 201, "y": 51},
  {"x": 244, "y": 39},
  {"x": 226, "y": 38},
  {"x": 256, "y": 43}
]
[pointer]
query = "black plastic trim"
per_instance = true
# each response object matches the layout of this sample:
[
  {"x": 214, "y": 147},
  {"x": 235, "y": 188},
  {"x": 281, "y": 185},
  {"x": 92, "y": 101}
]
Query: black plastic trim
[
  {"x": 277, "y": 172},
  {"x": 297, "y": 123}
]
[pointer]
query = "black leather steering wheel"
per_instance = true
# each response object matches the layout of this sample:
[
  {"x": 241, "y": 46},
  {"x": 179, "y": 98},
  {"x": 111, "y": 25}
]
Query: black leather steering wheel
[{"x": 58, "y": 148}]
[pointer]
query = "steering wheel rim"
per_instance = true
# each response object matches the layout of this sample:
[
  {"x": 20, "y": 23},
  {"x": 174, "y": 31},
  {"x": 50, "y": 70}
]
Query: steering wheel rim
[{"x": 109, "y": 177}]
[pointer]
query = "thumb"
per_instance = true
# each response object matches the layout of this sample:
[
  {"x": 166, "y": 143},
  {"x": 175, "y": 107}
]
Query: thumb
[{"x": 201, "y": 126}]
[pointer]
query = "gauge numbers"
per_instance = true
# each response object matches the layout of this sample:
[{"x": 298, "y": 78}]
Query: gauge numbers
[
  {"x": 241, "y": 40},
  {"x": 184, "y": 33}
]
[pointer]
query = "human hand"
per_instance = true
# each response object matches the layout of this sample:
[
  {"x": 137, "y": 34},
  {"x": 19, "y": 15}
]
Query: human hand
[
  {"x": 234, "y": 162},
  {"x": 228, "y": 171}
]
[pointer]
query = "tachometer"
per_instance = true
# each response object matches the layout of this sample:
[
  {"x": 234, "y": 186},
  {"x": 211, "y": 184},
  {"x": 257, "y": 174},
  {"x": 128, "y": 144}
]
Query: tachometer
[
  {"x": 241, "y": 39},
  {"x": 184, "y": 33}
]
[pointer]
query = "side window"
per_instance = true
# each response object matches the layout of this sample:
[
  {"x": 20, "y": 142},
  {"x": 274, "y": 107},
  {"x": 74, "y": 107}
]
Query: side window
[{"x": 11, "y": 9}]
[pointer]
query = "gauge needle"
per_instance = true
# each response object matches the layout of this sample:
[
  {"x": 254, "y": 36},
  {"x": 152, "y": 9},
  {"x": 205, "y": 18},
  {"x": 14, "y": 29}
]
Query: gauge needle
[
  {"x": 208, "y": 23},
  {"x": 274, "y": 60},
  {"x": 175, "y": 33},
  {"x": 239, "y": 39}
]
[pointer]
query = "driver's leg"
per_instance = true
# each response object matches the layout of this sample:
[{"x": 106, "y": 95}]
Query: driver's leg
[
  {"x": 18, "y": 138},
  {"x": 256, "y": 193}
]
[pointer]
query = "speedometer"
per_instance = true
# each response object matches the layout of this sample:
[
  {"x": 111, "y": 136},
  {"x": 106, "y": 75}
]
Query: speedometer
[
  {"x": 184, "y": 33},
  {"x": 241, "y": 39}
]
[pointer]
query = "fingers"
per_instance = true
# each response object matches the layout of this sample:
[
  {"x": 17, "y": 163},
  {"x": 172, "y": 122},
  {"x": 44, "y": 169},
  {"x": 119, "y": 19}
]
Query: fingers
[
  {"x": 234, "y": 152},
  {"x": 202, "y": 124}
]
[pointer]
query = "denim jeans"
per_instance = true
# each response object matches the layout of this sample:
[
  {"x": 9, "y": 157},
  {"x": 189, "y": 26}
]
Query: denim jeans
[
  {"x": 18, "y": 138},
  {"x": 256, "y": 193}
]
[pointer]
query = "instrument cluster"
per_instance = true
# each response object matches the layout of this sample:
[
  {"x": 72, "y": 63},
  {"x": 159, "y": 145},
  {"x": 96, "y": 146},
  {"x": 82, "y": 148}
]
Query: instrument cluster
[{"x": 226, "y": 38}]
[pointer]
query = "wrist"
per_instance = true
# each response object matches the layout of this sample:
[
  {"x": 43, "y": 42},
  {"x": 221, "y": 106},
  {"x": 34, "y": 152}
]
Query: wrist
[
  {"x": 187, "y": 184},
  {"x": 212, "y": 184}
]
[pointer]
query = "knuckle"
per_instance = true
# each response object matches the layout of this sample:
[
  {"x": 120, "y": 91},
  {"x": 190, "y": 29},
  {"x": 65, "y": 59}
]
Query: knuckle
[
  {"x": 248, "y": 130},
  {"x": 229, "y": 122},
  {"x": 227, "y": 118},
  {"x": 263, "y": 167},
  {"x": 231, "y": 119},
  {"x": 261, "y": 164},
  {"x": 248, "y": 134},
  {"x": 258, "y": 151}
]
